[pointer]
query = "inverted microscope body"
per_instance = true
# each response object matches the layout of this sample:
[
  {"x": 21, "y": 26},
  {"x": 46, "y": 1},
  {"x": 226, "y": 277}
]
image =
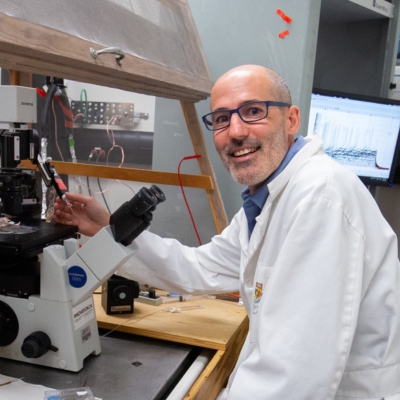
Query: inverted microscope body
[
  {"x": 72, "y": 341},
  {"x": 58, "y": 328},
  {"x": 47, "y": 316}
]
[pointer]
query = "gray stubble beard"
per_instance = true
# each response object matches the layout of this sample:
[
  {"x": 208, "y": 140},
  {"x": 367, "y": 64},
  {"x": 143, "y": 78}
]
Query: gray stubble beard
[{"x": 280, "y": 147}]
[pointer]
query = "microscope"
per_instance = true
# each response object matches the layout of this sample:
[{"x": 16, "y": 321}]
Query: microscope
[{"x": 47, "y": 280}]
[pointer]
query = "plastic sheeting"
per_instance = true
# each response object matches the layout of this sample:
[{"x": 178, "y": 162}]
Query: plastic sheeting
[{"x": 161, "y": 31}]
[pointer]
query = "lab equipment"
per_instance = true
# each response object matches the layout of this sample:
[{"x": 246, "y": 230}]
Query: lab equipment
[
  {"x": 57, "y": 327},
  {"x": 118, "y": 294},
  {"x": 359, "y": 132},
  {"x": 47, "y": 314},
  {"x": 18, "y": 189}
]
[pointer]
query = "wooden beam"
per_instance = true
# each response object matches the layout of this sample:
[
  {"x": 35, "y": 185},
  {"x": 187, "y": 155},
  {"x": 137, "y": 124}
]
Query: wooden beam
[
  {"x": 14, "y": 77},
  {"x": 214, "y": 196},
  {"x": 19, "y": 78},
  {"x": 129, "y": 174},
  {"x": 33, "y": 48}
]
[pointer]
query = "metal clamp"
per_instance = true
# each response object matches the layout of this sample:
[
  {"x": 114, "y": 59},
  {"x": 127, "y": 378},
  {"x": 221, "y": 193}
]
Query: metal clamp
[{"x": 110, "y": 50}]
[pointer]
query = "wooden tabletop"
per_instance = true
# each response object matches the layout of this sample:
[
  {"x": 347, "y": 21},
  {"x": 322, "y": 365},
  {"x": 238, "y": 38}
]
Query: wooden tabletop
[{"x": 202, "y": 322}]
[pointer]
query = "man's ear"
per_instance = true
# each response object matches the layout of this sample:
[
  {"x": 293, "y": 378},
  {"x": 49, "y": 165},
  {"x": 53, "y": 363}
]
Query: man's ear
[{"x": 293, "y": 120}]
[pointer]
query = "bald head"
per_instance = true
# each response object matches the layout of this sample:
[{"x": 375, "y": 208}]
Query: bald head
[
  {"x": 272, "y": 83},
  {"x": 252, "y": 149}
]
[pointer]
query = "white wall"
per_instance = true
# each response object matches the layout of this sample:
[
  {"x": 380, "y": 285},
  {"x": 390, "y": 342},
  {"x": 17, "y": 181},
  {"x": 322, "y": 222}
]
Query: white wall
[{"x": 246, "y": 32}]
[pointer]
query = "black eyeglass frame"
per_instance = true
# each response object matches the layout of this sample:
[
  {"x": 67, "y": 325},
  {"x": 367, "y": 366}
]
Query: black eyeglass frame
[{"x": 236, "y": 110}]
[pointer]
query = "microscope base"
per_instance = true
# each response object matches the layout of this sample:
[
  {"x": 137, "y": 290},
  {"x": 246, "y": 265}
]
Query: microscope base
[{"x": 73, "y": 331}]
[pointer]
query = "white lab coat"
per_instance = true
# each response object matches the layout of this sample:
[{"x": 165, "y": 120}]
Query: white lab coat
[{"x": 319, "y": 278}]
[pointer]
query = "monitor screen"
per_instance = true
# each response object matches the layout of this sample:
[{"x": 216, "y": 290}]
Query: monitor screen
[{"x": 359, "y": 132}]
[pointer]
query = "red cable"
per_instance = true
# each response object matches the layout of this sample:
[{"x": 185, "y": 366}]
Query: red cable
[
  {"x": 67, "y": 112},
  {"x": 68, "y": 115},
  {"x": 41, "y": 92},
  {"x": 183, "y": 192},
  {"x": 190, "y": 213}
]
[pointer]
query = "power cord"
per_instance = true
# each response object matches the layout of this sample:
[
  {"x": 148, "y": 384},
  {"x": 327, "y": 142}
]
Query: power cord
[
  {"x": 183, "y": 193},
  {"x": 237, "y": 296}
]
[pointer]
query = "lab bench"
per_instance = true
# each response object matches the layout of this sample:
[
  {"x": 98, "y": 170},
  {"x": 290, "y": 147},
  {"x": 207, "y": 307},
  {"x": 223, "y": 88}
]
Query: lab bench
[
  {"x": 207, "y": 323},
  {"x": 146, "y": 353}
]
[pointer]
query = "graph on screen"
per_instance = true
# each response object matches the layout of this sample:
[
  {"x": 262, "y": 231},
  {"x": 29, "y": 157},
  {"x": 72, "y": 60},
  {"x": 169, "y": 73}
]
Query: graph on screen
[{"x": 359, "y": 134}]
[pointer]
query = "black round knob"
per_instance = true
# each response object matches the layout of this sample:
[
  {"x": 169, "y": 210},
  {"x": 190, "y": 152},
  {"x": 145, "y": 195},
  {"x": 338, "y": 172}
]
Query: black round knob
[
  {"x": 35, "y": 345},
  {"x": 9, "y": 326}
]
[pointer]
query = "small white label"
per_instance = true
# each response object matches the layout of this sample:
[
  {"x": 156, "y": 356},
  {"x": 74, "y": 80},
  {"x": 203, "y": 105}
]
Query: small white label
[
  {"x": 17, "y": 154},
  {"x": 86, "y": 334},
  {"x": 31, "y": 151},
  {"x": 83, "y": 313}
]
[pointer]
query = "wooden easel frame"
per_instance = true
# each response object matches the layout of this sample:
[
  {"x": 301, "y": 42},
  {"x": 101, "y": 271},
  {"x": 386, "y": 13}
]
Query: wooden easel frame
[{"x": 27, "y": 48}]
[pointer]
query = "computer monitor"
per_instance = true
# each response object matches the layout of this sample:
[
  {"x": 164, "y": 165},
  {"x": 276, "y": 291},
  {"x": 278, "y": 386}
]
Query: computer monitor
[{"x": 359, "y": 132}]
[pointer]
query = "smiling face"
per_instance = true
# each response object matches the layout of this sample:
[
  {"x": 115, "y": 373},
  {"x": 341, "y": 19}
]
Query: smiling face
[{"x": 252, "y": 151}]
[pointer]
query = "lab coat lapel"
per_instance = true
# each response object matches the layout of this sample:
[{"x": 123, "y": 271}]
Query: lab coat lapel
[
  {"x": 251, "y": 248},
  {"x": 256, "y": 241},
  {"x": 244, "y": 235},
  {"x": 260, "y": 228}
]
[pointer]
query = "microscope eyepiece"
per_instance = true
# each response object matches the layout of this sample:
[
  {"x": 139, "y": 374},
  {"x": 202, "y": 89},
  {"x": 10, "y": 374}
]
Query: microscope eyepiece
[
  {"x": 141, "y": 202},
  {"x": 135, "y": 215},
  {"x": 158, "y": 193}
]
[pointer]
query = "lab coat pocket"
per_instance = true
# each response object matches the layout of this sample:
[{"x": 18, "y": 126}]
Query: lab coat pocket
[{"x": 260, "y": 287}]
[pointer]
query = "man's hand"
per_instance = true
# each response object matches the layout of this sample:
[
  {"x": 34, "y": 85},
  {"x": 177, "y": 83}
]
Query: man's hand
[{"x": 86, "y": 213}]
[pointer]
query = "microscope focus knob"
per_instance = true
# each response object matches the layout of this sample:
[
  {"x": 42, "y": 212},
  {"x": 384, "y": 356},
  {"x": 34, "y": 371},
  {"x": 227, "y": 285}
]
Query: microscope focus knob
[{"x": 36, "y": 344}]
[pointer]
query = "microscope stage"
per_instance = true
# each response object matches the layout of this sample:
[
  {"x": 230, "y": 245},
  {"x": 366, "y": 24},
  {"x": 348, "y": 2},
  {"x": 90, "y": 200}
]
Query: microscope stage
[{"x": 32, "y": 242}]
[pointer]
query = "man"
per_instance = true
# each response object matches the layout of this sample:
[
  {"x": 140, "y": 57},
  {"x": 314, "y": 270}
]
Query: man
[{"x": 314, "y": 260}]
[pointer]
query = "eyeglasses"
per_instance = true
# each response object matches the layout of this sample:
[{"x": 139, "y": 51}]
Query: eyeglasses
[{"x": 250, "y": 112}]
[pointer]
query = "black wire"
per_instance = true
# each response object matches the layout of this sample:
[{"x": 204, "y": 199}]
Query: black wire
[
  {"x": 66, "y": 103},
  {"x": 51, "y": 91},
  {"x": 33, "y": 190},
  {"x": 88, "y": 186},
  {"x": 101, "y": 191}
]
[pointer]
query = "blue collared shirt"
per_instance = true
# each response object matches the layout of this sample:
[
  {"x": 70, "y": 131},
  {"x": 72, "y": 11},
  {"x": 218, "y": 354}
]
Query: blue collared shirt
[{"x": 254, "y": 203}]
